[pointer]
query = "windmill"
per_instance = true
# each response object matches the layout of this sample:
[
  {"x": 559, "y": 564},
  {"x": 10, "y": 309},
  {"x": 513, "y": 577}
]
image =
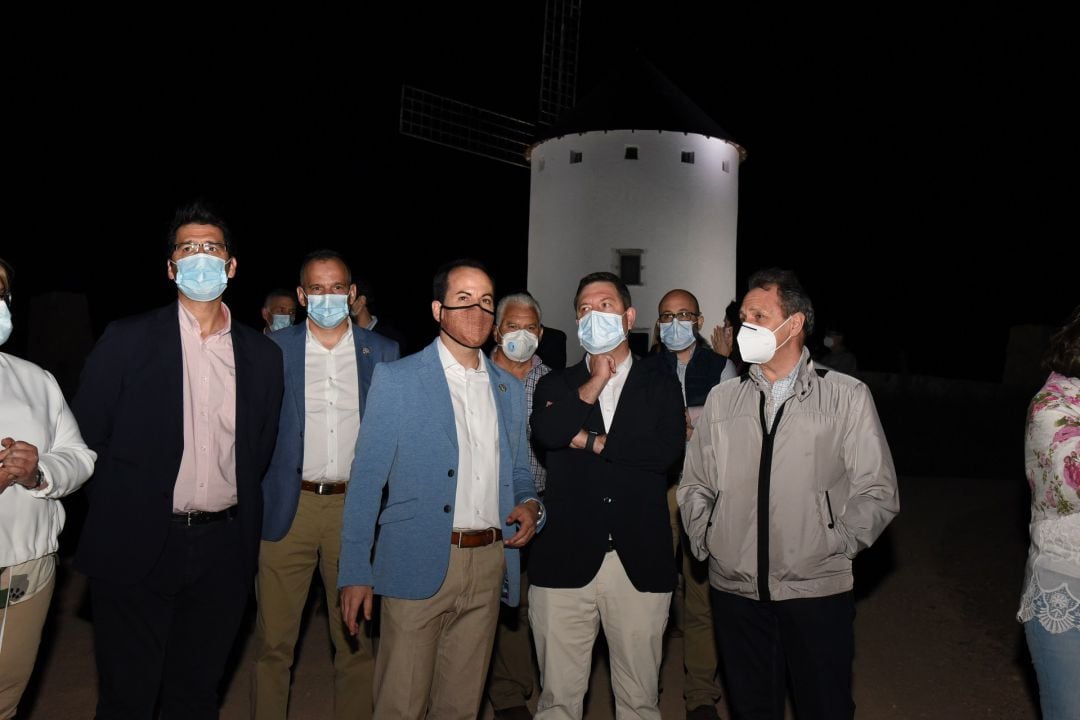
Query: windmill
[
  {"x": 635, "y": 179},
  {"x": 456, "y": 124}
]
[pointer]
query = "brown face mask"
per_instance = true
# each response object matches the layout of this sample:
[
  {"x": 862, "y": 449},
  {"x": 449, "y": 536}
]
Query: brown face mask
[{"x": 469, "y": 325}]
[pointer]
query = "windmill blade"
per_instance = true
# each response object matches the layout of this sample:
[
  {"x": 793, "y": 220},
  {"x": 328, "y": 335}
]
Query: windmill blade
[
  {"x": 455, "y": 124},
  {"x": 559, "y": 59}
]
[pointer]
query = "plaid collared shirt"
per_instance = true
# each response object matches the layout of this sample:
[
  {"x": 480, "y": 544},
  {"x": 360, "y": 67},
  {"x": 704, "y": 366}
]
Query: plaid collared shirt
[
  {"x": 779, "y": 391},
  {"x": 539, "y": 370}
]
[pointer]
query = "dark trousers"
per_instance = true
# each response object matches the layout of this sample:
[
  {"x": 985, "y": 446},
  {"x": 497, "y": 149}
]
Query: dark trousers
[
  {"x": 763, "y": 644},
  {"x": 171, "y": 632}
]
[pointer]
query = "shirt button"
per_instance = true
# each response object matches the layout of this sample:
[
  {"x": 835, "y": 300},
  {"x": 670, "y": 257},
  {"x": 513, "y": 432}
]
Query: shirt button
[
  {"x": 450, "y": 473},
  {"x": 446, "y": 508}
]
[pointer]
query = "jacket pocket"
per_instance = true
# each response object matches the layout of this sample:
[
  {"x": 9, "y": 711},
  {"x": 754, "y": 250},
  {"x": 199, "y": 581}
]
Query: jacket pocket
[
  {"x": 398, "y": 511},
  {"x": 834, "y": 538},
  {"x": 712, "y": 527}
]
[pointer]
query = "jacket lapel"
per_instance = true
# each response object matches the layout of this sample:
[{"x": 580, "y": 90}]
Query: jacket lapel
[{"x": 437, "y": 392}]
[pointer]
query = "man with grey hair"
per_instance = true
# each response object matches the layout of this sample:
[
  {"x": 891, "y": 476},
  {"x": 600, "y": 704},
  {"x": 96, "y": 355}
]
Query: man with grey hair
[
  {"x": 780, "y": 527},
  {"x": 517, "y": 332}
]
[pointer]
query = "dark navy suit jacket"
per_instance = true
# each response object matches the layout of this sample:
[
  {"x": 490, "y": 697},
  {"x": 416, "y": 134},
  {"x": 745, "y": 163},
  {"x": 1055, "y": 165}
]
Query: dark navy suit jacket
[{"x": 130, "y": 411}]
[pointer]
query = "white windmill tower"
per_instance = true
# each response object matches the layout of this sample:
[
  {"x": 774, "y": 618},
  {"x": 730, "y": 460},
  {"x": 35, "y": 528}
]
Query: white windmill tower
[{"x": 635, "y": 179}]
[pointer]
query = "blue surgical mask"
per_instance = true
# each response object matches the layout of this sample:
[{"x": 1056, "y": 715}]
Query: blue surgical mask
[
  {"x": 201, "y": 277},
  {"x": 5, "y": 322},
  {"x": 600, "y": 332},
  {"x": 677, "y": 335},
  {"x": 327, "y": 311},
  {"x": 280, "y": 322}
]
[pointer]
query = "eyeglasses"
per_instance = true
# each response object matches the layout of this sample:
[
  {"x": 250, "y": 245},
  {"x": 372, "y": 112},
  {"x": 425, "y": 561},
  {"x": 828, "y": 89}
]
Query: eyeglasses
[
  {"x": 191, "y": 248},
  {"x": 684, "y": 315}
]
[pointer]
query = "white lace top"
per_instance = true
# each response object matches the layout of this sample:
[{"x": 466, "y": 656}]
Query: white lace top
[{"x": 1052, "y": 447}]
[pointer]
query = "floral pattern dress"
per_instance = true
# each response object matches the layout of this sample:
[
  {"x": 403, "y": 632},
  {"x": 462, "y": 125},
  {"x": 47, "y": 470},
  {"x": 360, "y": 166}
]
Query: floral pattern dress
[{"x": 1052, "y": 447}]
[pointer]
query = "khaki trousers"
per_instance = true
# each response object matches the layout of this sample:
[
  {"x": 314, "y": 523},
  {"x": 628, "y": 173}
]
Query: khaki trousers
[
  {"x": 701, "y": 681},
  {"x": 285, "y": 570},
  {"x": 513, "y": 679},
  {"x": 22, "y": 635},
  {"x": 565, "y": 623},
  {"x": 434, "y": 653}
]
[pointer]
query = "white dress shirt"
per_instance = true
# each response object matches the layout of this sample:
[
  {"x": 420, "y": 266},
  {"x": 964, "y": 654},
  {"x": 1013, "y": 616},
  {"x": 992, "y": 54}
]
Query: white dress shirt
[
  {"x": 609, "y": 396},
  {"x": 331, "y": 409},
  {"x": 476, "y": 505}
]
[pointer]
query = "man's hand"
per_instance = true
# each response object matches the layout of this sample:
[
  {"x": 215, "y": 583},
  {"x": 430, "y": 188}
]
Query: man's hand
[
  {"x": 602, "y": 368},
  {"x": 353, "y": 598},
  {"x": 527, "y": 515},
  {"x": 581, "y": 439},
  {"x": 723, "y": 338},
  {"x": 18, "y": 463}
]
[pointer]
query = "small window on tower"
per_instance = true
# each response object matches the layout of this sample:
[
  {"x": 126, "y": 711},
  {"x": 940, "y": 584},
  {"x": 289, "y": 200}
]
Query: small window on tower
[
  {"x": 630, "y": 267},
  {"x": 631, "y": 152},
  {"x": 725, "y": 166},
  {"x": 575, "y": 157},
  {"x": 688, "y": 157}
]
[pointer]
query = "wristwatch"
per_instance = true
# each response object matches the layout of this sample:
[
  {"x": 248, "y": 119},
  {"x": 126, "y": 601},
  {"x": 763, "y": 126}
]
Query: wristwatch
[
  {"x": 38, "y": 480},
  {"x": 539, "y": 508},
  {"x": 590, "y": 440}
]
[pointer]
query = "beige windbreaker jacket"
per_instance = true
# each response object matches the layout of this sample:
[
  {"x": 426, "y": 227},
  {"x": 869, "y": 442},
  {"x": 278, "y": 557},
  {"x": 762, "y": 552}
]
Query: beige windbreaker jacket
[{"x": 780, "y": 514}]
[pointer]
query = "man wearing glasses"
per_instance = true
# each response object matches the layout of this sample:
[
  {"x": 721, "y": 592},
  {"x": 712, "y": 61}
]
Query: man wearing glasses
[
  {"x": 686, "y": 355},
  {"x": 328, "y": 369},
  {"x": 181, "y": 405}
]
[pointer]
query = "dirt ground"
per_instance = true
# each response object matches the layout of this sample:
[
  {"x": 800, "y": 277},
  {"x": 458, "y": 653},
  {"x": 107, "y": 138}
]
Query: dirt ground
[{"x": 935, "y": 630}]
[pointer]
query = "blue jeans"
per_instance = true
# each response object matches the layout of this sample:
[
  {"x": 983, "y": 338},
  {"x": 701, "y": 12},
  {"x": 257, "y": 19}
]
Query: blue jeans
[{"x": 1057, "y": 664}]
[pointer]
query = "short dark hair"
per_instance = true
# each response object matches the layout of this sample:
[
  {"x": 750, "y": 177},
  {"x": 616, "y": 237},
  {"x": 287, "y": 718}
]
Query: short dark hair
[
  {"x": 278, "y": 292},
  {"x": 441, "y": 282},
  {"x": 793, "y": 298},
  {"x": 608, "y": 277},
  {"x": 199, "y": 212},
  {"x": 363, "y": 287},
  {"x": 9, "y": 272},
  {"x": 322, "y": 256},
  {"x": 1063, "y": 354}
]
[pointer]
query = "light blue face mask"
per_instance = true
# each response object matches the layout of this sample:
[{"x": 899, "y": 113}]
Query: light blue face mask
[
  {"x": 600, "y": 332},
  {"x": 280, "y": 322},
  {"x": 677, "y": 335},
  {"x": 5, "y": 322},
  {"x": 201, "y": 277},
  {"x": 327, "y": 311}
]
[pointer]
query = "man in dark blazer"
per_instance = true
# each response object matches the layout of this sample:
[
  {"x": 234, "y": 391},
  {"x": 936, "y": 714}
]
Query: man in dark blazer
[
  {"x": 328, "y": 368},
  {"x": 181, "y": 405},
  {"x": 613, "y": 426}
]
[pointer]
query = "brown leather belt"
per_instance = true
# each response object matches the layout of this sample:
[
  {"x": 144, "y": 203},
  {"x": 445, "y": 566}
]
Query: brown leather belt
[
  {"x": 324, "y": 488},
  {"x": 475, "y": 538}
]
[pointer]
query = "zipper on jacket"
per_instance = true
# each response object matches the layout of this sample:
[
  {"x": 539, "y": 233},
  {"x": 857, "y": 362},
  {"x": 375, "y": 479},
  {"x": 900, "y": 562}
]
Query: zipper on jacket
[
  {"x": 828, "y": 506},
  {"x": 764, "y": 479}
]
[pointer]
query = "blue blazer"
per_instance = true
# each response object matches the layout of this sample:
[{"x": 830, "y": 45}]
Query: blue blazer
[
  {"x": 408, "y": 443},
  {"x": 281, "y": 485}
]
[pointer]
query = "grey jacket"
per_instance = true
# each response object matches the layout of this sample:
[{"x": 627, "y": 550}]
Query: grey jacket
[{"x": 821, "y": 482}]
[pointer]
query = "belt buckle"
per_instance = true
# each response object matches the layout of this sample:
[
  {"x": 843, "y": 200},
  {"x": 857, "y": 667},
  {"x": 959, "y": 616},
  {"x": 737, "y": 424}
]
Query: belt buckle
[{"x": 320, "y": 489}]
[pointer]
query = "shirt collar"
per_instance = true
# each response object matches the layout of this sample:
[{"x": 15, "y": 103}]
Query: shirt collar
[{"x": 189, "y": 323}]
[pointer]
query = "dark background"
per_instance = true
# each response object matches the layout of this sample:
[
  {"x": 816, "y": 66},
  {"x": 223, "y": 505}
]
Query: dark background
[{"x": 912, "y": 164}]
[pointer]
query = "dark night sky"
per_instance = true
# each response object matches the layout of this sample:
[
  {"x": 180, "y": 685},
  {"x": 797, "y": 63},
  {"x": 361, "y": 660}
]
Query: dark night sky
[{"x": 910, "y": 163}]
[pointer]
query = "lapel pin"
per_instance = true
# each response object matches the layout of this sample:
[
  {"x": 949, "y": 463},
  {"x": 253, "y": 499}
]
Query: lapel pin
[
  {"x": 502, "y": 388},
  {"x": 365, "y": 350}
]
